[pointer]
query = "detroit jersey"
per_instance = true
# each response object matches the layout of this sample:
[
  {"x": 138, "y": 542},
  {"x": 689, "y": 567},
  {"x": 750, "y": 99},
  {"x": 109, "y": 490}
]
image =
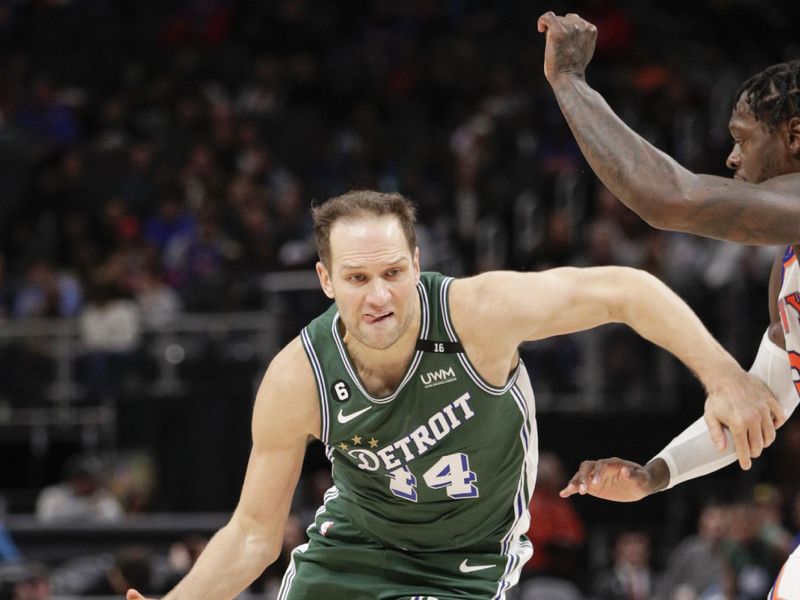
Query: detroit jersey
[{"x": 447, "y": 461}]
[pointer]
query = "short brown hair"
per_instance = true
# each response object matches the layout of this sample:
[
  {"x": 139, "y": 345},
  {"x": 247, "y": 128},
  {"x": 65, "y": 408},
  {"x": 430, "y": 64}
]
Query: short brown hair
[{"x": 360, "y": 203}]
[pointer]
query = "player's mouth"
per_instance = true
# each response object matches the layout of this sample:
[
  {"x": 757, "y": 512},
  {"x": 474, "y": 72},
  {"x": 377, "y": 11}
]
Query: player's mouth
[{"x": 377, "y": 317}]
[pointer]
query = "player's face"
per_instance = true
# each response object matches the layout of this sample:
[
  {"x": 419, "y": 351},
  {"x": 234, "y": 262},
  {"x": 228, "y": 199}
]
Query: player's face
[
  {"x": 373, "y": 277},
  {"x": 757, "y": 154}
]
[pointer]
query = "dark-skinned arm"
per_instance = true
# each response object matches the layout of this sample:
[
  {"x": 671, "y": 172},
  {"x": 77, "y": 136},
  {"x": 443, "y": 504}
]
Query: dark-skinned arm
[{"x": 648, "y": 181}]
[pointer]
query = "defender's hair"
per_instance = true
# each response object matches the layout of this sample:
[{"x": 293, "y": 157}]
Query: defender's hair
[
  {"x": 360, "y": 203},
  {"x": 774, "y": 94}
]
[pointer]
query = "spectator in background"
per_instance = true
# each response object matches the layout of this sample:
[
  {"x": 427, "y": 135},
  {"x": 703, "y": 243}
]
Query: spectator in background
[
  {"x": 34, "y": 585},
  {"x": 171, "y": 222},
  {"x": 45, "y": 292},
  {"x": 47, "y": 118},
  {"x": 755, "y": 565},
  {"x": 158, "y": 303},
  {"x": 202, "y": 271},
  {"x": 9, "y": 553},
  {"x": 5, "y": 290},
  {"x": 24, "y": 582},
  {"x": 110, "y": 327},
  {"x": 292, "y": 228},
  {"x": 82, "y": 497},
  {"x": 131, "y": 566},
  {"x": 181, "y": 558},
  {"x": 556, "y": 531},
  {"x": 630, "y": 576},
  {"x": 697, "y": 563}
]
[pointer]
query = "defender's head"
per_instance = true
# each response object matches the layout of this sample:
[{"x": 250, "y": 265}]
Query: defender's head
[{"x": 765, "y": 124}]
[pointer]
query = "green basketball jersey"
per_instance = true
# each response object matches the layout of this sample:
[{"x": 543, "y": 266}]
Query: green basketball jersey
[{"x": 447, "y": 461}]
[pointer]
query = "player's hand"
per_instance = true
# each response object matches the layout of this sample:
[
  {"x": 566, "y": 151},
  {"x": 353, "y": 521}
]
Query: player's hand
[
  {"x": 748, "y": 409},
  {"x": 617, "y": 479},
  {"x": 134, "y": 595},
  {"x": 569, "y": 44}
]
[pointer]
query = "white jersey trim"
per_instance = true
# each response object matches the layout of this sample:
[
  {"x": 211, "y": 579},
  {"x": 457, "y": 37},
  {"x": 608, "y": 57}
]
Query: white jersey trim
[
  {"x": 462, "y": 356},
  {"x": 319, "y": 376}
]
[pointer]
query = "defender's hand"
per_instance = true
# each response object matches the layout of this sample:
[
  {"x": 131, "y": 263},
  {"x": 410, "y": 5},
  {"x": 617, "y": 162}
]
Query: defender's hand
[
  {"x": 617, "y": 479},
  {"x": 569, "y": 44},
  {"x": 134, "y": 595},
  {"x": 744, "y": 405}
]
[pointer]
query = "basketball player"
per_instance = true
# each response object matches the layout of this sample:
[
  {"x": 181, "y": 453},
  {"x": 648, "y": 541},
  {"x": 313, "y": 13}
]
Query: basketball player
[
  {"x": 414, "y": 384},
  {"x": 761, "y": 205}
]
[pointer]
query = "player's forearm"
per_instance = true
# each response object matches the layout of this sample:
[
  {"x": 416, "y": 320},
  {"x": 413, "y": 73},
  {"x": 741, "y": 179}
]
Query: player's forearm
[
  {"x": 230, "y": 562},
  {"x": 661, "y": 316},
  {"x": 645, "y": 179},
  {"x": 693, "y": 454},
  {"x": 658, "y": 471}
]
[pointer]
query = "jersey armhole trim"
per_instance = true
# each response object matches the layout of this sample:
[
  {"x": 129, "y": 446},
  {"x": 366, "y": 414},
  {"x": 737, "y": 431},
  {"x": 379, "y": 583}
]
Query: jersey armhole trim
[
  {"x": 319, "y": 377},
  {"x": 444, "y": 304}
]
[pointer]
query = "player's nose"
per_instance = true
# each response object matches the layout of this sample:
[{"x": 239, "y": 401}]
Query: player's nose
[
  {"x": 734, "y": 160},
  {"x": 378, "y": 293}
]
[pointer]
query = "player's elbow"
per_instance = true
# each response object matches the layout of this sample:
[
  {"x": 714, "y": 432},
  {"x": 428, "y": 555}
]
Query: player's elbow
[
  {"x": 668, "y": 212},
  {"x": 261, "y": 545},
  {"x": 668, "y": 203},
  {"x": 263, "y": 549}
]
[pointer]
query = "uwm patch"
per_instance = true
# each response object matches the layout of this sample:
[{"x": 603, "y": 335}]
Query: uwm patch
[{"x": 438, "y": 377}]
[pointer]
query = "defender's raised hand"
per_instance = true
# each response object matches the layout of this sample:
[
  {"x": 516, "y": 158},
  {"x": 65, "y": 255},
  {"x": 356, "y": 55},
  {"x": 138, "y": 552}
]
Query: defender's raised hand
[
  {"x": 569, "y": 44},
  {"x": 617, "y": 479}
]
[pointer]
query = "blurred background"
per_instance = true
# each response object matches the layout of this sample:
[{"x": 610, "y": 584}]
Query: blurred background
[{"x": 157, "y": 164}]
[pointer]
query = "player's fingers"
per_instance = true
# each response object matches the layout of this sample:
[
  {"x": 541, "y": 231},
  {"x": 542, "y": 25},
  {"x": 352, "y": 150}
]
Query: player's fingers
[
  {"x": 742, "y": 446},
  {"x": 133, "y": 595},
  {"x": 716, "y": 431},
  {"x": 756, "y": 439},
  {"x": 547, "y": 21},
  {"x": 569, "y": 490},
  {"x": 778, "y": 414},
  {"x": 767, "y": 428},
  {"x": 582, "y": 477}
]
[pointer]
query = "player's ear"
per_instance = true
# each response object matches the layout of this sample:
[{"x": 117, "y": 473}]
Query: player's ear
[
  {"x": 325, "y": 280},
  {"x": 793, "y": 130}
]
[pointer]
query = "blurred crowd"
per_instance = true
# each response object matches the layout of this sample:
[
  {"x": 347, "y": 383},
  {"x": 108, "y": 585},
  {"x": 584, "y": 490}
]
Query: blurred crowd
[
  {"x": 158, "y": 158},
  {"x": 161, "y": 158},
  {"x": 732, "y": 550},
  {"x": 168, "y": 152}
]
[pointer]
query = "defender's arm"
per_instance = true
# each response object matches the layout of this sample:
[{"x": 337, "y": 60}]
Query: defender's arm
[{"x": 648, "y": 181}]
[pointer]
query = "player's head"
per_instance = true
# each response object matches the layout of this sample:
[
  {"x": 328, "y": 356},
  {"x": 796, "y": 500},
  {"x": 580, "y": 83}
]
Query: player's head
[
  {"x": 359, "y": 204},
  {"x": 765, "y": 124},
  {"x": 369, "y": 263}
]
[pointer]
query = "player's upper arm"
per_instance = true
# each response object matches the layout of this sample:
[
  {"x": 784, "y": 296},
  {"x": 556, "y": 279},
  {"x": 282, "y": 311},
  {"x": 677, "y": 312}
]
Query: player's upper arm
[
  {"x": 734, "y": 210},
  {"x": 285, "y": 417},
  {"x": 530, "y": 306}
]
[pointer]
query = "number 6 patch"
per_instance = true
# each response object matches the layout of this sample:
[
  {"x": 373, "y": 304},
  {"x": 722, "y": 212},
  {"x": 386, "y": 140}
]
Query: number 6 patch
[{"x": 340, "y": 390}]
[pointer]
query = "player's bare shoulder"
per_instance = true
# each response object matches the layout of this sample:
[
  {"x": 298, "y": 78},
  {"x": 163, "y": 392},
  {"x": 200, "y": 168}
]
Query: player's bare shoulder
[
  {"x": 288, "y": 391},
  {"x": 481, "y": 308}
]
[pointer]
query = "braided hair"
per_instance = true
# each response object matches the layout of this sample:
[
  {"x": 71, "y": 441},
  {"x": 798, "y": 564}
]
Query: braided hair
[{"x": 774, "y": 94}]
